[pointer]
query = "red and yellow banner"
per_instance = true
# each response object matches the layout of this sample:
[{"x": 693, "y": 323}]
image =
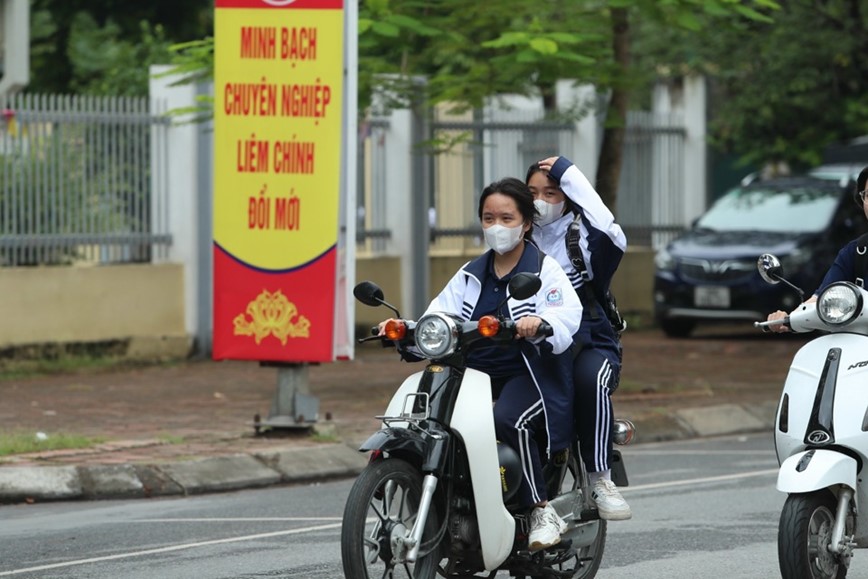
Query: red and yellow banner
[{"x": 278, "y": 83}]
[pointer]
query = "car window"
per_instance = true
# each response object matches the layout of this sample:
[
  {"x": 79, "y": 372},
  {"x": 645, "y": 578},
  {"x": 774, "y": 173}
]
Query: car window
[{"x": 758, "y": 208}]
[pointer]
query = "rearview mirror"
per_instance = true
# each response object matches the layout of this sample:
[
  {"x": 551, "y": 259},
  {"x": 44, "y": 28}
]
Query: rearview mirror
[
  {"x": 523, "y": 285},
  {"x": 369, "y": 293},
  {"x": 770, "y": 268}
]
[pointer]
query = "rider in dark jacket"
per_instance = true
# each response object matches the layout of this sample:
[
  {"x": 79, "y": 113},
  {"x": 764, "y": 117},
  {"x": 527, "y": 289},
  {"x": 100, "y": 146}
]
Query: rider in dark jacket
[{"x": 844, "y": 266}]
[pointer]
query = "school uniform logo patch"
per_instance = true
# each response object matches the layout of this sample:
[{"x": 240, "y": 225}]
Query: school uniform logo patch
[{"x": 554, "y": 297}]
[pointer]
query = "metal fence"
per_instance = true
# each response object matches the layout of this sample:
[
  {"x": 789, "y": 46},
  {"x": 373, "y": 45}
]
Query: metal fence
[
  {"x": 82, "y": 179},
  {"x": 650, "y": 205},
  {"x": 468, "y": 153}
]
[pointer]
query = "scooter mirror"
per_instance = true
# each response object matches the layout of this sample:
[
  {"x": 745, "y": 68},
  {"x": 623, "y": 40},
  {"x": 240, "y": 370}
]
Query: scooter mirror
[
  {"x": 770, "y": 269},
  {"x": 523, "y": 285},
  {"x": 369, "y": 293}
]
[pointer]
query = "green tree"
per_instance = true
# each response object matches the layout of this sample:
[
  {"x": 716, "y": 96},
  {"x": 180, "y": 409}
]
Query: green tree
[
  {"x": 105, "y": 46},
  {"x": 470, "y": 51},
  {"x": 782, "y": 91}
]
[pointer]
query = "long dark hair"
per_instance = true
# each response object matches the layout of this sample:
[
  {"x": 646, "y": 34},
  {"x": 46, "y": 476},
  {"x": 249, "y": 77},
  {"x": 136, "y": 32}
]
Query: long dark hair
[
  {"x": 518, "y": 192},
  {"x": 861, "y": 180}
]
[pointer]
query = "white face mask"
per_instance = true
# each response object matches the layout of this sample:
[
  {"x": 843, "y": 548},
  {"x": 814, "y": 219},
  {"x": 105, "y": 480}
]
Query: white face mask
[
  {"x": 548, "y": 212},
  {"x": 502, "y": 239}
]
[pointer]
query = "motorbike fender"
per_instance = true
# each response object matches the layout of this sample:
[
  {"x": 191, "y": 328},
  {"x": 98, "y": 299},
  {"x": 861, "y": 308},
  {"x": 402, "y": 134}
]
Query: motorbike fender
[
  {"x": 396, "y": 440},
  {"x": 816, "y": 469},
  {"x": 473, "y": 420}
]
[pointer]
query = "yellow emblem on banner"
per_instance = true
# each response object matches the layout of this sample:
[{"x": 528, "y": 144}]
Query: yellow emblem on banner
[{"x": 272, "y": 313}]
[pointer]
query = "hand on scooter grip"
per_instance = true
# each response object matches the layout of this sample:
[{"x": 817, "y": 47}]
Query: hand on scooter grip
[
  {"x": 527, "y": 326},
  {"x": 532, "y": 327},
  {"x": 381, "y": 327},
  {"x": 777, "y": 328}
]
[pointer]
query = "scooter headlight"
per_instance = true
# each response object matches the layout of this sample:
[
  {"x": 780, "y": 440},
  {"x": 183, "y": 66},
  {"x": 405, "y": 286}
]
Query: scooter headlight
[
  {"x": 839, "y": 304},
  {"x": 436, "y": 335}
]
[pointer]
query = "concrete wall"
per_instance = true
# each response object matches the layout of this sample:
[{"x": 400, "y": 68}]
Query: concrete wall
[{"x": 143, "y": 303}]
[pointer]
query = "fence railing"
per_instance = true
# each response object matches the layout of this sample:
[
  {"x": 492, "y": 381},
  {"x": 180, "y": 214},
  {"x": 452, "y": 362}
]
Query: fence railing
[
  {"x": 82, "y": 179},
  {"x": 478, "y": 150}
]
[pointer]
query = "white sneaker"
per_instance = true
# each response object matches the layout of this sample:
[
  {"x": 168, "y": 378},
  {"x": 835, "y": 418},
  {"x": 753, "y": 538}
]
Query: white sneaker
[
  {"x": 546, "y": 527},
  {"x": 610, "y": 504}
]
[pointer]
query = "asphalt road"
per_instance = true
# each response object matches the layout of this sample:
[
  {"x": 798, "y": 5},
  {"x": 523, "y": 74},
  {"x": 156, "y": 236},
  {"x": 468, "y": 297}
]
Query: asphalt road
[{"x": 702, "y": 508}]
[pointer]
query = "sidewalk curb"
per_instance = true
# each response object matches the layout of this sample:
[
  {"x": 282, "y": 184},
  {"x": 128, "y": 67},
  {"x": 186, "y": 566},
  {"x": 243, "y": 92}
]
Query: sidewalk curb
[{"x": 307, "y": 464}]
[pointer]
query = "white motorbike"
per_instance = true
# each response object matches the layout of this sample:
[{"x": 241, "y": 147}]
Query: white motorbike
[
  {"x": 821, "y": 433},
  {"x": 438, "y": 496}
]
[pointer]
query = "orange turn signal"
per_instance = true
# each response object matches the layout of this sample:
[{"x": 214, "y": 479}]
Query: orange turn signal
[
  {"x": 488, "y": 326},
  {"x": 396, "y": 329}
]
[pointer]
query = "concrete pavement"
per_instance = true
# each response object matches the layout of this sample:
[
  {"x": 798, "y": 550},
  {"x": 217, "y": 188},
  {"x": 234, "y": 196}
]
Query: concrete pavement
[{"x": 30, "y": 479}]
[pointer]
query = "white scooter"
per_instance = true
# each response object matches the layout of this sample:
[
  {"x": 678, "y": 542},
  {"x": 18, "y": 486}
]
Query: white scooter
[
  {"x": 821, "y": 433},
  {"x": 438, "y": 496}
]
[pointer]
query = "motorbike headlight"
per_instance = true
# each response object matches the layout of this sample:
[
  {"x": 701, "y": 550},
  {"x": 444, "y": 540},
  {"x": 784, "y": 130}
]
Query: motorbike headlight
[
  {"x": 436, "y": 335},
  {"x": 839, "y": 304}
]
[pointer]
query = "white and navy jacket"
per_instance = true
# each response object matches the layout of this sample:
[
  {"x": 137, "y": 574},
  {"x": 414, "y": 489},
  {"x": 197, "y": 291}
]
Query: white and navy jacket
[
  {"x": 557, "y": 304},
  {"x": 601, "y": 240}
]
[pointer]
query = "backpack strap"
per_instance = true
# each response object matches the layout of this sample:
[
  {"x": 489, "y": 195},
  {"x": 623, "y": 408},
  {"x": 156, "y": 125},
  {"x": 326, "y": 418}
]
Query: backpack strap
[
  {"x": 586, "y": 291},
  {"x": 574, "y": 250},
  {"x": 861, "y": 260}
]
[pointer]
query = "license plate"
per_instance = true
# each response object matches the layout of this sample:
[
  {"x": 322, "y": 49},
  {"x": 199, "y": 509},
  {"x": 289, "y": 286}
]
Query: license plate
[{"x": 711, "y": 297}]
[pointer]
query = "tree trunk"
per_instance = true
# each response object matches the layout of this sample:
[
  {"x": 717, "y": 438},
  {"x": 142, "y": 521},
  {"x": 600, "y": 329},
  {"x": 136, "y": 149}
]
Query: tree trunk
[{"x": 612, "y": 149}]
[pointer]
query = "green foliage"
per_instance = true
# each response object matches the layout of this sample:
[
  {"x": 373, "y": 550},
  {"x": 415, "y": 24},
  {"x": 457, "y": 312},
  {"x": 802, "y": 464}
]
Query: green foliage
[
  {"x": 106, "y": 63},
  {"x": 469, "y": 52},
  {"x": 193, "y": 60},
  {"x": 782, "y": 90},
  {"x": 106, "y": 46}
]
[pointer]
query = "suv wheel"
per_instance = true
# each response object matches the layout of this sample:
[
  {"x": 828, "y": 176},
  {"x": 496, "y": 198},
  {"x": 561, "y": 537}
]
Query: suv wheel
[{"x": 677, "y": 327}]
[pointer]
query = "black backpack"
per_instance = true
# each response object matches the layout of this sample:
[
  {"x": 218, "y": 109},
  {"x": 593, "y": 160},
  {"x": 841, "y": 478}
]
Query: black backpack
[{"x": 586, "y": 291}]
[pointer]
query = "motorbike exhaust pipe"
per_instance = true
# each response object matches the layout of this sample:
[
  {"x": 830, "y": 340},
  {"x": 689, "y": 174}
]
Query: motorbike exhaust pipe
[{"x": 623, "y": 432}]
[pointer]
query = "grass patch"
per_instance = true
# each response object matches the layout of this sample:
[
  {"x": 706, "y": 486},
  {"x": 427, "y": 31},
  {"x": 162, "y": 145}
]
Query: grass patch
[
  {"x": 171, "y": 438},
  {"x": 24, "y": 442},
  {"x": 25, "y": 368},
  {"x": 325, "y": 437},
  {"x": 66, "y": 358}
]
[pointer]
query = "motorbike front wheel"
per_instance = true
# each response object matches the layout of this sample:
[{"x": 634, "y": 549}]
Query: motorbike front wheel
[
  {"x": 381, "y": 509},
  {"x": 804, "y": 535}
]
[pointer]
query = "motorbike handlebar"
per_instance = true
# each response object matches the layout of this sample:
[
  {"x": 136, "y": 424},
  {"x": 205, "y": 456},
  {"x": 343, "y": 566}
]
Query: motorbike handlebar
[
  {"x": 545, "y": 329},
  {"x": 765, "y": 326}
]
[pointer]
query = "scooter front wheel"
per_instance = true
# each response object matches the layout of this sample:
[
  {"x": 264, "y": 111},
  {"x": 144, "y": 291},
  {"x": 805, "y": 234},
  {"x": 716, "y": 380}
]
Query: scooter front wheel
[
  {"x": 804, "y": 535},
  {"x": 381, "y": 509}
]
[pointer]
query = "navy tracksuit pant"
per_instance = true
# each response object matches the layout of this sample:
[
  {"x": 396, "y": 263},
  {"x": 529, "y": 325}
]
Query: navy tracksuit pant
[
  {"x": 519, "y": 422},
  {"x": 595, "y": 377}
]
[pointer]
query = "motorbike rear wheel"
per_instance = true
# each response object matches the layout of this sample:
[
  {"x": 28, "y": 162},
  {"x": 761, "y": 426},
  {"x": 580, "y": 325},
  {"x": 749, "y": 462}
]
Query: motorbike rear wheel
[
  {"x": 382, "y": 506},
  {"x": 804, "y": 534}
]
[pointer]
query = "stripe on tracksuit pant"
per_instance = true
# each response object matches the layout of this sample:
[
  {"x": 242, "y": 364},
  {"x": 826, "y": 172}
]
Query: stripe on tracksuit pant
[
  {"x": 593, "y": 378},
  {"x": 519, "y": 420}
]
